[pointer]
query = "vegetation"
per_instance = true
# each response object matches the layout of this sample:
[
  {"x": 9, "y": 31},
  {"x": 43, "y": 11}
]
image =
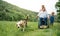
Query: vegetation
[
  {"x": 11, "y": 12},
  {"x": 58, "y": 10},
  {"x": 8, "y": 28}
]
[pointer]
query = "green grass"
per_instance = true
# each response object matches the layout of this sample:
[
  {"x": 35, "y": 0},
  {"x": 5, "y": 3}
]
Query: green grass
[{"x": 8, "y": 28}]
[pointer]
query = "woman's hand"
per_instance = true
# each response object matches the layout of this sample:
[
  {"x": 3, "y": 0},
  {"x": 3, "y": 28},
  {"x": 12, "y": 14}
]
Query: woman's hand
[{"x": 36, "y": 17}]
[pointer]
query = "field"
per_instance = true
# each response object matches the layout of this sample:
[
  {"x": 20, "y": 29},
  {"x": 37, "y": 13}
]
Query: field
[{"x": 8, "y": 28}]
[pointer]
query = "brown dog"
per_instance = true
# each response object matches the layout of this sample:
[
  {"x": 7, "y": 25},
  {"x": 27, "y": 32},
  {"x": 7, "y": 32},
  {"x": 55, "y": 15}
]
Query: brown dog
[{"x": 21, "y": 24}]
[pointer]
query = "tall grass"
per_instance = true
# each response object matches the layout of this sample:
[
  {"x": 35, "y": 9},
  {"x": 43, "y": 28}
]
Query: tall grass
[{"x": 8, "y": 28}]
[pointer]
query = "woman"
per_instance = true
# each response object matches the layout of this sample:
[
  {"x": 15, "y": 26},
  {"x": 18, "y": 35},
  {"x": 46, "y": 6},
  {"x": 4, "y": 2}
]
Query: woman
[{"x": 42, "y": 15}]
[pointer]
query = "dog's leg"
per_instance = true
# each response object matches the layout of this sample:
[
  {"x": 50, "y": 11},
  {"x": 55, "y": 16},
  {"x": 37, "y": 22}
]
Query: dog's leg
[
  {"x": 24, "y": 28},
  {"x": 26, "y": 24}
]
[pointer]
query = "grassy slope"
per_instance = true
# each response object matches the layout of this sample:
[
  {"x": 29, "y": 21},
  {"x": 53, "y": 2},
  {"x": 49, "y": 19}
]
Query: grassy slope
[
  {"x": 12, "y": 12},
  {"x": 8, "y": 28}
]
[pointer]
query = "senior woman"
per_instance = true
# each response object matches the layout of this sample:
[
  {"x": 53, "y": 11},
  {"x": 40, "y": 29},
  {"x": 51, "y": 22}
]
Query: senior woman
[{"x": 43, "y": 16}]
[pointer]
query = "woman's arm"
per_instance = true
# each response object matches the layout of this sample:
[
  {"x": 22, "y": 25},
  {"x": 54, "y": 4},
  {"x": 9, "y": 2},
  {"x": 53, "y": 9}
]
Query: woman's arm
[{"x": 37, "y": 17}]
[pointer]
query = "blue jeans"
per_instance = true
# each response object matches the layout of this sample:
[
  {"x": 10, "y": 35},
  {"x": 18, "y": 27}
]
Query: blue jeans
[{"x": 42, "y": 21}]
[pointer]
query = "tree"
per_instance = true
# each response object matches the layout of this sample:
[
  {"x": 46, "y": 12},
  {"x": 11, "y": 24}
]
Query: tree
[{"x": 58, "y": 10}]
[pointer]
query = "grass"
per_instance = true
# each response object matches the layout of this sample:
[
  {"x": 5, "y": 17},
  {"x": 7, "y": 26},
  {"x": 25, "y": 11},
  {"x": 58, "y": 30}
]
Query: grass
[{"x": 8, "y": 28}]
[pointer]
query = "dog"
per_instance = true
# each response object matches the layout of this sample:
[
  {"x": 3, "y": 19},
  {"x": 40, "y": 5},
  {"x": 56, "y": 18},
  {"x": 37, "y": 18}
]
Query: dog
[{"x": 21, "y": 24}]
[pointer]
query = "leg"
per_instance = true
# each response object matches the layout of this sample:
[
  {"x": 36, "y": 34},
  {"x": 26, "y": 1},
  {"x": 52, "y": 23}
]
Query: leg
[
  {"x": 24, "y": 28},
  {"x": 51, "y": 22},
  {"x": 26, "y": 24},
  {"x": 45, "y": 20},
  {"x": 41, "y": 23}
]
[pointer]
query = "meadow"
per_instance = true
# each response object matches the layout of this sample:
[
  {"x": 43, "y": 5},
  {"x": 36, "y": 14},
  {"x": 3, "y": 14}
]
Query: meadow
[{"x": 8, "y": 28}]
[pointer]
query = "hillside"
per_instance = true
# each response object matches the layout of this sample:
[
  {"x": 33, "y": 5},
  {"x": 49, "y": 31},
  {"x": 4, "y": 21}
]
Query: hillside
[{"x": 11, "y": 12}]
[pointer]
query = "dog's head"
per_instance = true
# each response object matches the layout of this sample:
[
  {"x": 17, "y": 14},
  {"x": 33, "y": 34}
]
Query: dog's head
[
  {"x": 18, "y": 24},
  {"x": 21, "y": 23}
]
